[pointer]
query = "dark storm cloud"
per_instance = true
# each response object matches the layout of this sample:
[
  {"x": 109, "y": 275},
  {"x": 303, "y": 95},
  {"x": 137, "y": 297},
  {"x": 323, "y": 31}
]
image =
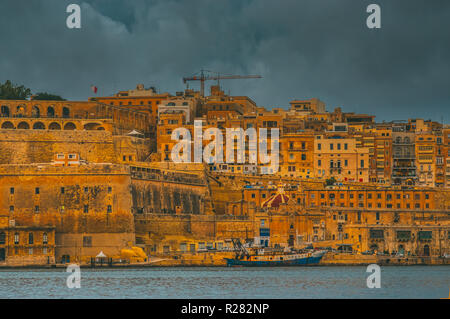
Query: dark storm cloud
[{"x": 302, "y": 49}]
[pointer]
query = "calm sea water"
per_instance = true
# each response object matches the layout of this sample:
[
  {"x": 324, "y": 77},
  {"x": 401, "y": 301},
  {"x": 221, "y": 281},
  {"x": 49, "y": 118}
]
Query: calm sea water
[{"x": 289, "y": 282}]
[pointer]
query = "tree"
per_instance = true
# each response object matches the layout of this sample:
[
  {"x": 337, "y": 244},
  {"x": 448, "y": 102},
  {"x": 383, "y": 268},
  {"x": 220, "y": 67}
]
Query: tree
[
  {"x": 47, "y": 97},
  {"x": 10, "y": 91}
]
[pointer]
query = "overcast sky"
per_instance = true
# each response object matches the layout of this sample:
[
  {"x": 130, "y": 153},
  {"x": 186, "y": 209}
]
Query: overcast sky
[{"x": 303, "y": 49}]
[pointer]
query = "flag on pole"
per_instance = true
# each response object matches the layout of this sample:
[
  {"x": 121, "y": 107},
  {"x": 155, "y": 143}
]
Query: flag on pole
[{"x": 94, "y": 89}]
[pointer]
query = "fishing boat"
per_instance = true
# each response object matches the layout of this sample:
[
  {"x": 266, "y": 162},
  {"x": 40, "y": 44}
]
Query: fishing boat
[
  {"x": 287, "y": 259},
  {"x": 268, "y": 256}
]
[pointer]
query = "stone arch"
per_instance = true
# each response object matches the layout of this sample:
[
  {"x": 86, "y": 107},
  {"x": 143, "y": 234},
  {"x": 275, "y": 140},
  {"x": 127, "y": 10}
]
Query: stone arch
[
  {"x": 21, "y": 110},
  {"x": 5, "y": 111},
  {"x": 38, "y": 126},
  {"x": 23, "y": 126},
  {"x": 50, "y": 111},
  {"x": 91, "y": 126},
  {"x": 69, "y": 126},
  {"x": 54, "y": 126},
  {"x": 65, "y": 112},
  {"x": 35, "y": 111},
  {"x": 8, "y": 125}
]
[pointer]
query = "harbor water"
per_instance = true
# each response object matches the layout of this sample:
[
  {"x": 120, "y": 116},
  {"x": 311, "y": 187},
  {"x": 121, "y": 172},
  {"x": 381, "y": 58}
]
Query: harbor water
[{"x": 218, "y": 282}]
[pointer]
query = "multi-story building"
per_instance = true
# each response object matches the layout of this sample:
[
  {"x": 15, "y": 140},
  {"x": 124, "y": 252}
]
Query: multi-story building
[
  {"x": 446, "y": 152},
  {"x": 403, "y": 155},
  {"x": 337, "y": 155},
  {"x": 297, "y": 155},
  {"x": 425, "y": 148}
]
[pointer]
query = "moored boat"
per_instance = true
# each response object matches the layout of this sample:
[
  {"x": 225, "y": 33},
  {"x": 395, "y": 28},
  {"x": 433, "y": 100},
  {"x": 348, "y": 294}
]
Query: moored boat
[{"x": 291, "y": 259}]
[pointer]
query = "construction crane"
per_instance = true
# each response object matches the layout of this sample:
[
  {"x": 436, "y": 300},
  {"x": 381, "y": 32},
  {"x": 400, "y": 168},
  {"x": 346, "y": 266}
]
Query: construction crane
[{"x": 204, "y": 77}]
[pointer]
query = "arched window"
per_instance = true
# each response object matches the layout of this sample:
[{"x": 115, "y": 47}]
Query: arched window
[
  {"x": 69, "y": 126},
  {"x": 23, "y": 126},
  {"x": 54, "y": 126},
  {"x": 35, "y": 112},
  {"x": 21, "y": 110},
  {"x": 5, "y": 111},
  {"x": 65, "y": 112},
  {"x": 50, "y": 111},
  {"x": 7, "y": 125},
  {"x": 38, "y": 126},
  {"x": 30, "y": 239}
]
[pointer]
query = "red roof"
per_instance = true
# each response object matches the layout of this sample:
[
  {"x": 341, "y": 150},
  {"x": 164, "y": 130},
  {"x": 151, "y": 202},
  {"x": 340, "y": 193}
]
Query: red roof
[{"x": 275, "y": 201}]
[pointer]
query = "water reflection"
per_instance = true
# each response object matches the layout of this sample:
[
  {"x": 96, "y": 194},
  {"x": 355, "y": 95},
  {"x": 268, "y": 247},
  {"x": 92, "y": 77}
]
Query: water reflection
[{"x": 292, "y": 282}]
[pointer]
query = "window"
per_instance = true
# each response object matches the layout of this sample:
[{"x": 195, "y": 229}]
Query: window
[
  {"x": 11, "y": 190},
  {"x": 376, "y": 233},
  {"x": 45, "y": 238},
  {"x": 109, "y": 189},
  {"x": 109, "y": 209},
  {"x": 425, "y": 235},
  {"x": 86, "y": 208},
  {"x": 403, "y": 234},
  {"x": 345, "y": 146},
  {"x": 2, "y": 238},
  {"x": 36, "y": 209},
  {"x": 377, "y": 216},
  {"x": 16, "y": 238},
  {"x": 62, "y": 190},
  {"x": 331, "y": 146},
  {"x": 30, "y": 239},
  {"x": 319, "y": 146},
  {"x": 36, "y": 190},
  {"x": 87, "y": 241},
  {"x": 11, "y": 209},
  {"x": 86, "y": 190}
]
